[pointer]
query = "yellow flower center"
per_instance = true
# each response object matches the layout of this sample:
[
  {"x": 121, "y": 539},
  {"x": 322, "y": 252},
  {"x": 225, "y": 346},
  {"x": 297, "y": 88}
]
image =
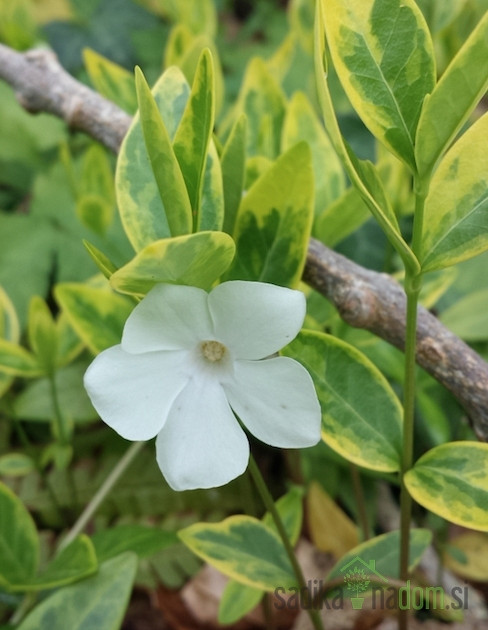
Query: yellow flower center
[{"x": 213, "y": 351}]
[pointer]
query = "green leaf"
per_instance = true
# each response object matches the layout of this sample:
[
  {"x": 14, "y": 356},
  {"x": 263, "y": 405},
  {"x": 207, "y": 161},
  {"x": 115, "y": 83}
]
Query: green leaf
[
  {"x": 9, "y": 323},
  {"x": 274, "y": 221},
  {"x": 103, "y": 262},
  {"x": 290, "y": 509},
  {"x": 43, "y": 336},
  {"x": 264, "y": 103},
  {"x": 96, "y": 174},
  {"x": 183, "y": 49},
  {"x": 143, "y": 541},
  {"x": 168, "y": 175},
  {"x": 361, "y": 415},
  {"x": 68, "y": 342},
  {"x": 341, "y": 218},
  {"x": 111, "y": 80},
  {"x": 362, "y": 174},
  {"x": 195, "y": 259},
  {"x": 456, "y": 208},
  {"x": 97, "y": 315},
  {"x": 35, "y": 402},
  {"x": 95, "y": 213},
  {"x": 468, "y": 318},
  {"x": 19, "y": 542},
  {"x": 16, "y": 465},
  {"x": 380, "y": 556},
  {"x": 212, "y": 204},
  {"x": 99, "y": 601},
  {"x": 16, "y": 361},
  {"x": 236, "y": 601},
  {"x": 75, "y": 562},
  {"x": 301, "y": 123},
  {"x": 141, "y": 208},
  {"x": 193, "y": 135},
  {"x": 383, "y": 54},
  {"x": 9, "y": 330},
  {"x": 451, "y": 480},
  {"x": 455, "y": 96},
  {"x": 200, "y": 16},
  {"x": 242, "y": 548},
  {"x": 233, "y": 170}
]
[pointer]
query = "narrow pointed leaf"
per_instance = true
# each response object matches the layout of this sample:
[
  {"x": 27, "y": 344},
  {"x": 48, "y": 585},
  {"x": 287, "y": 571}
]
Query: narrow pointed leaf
[
  {"x": 195, "y": 259},
  {"x": 451, "y": 480},
  {"x": 103, "y": 262},
  {"x": 274, "y": 221},
  {"x": 455, "y": 96},
  {"x": 361, "y": 416},
  {"x": 233, "y": 170},
  {"x": 19, "y": 542},
  {"x": 111, "y": 80},
  {"x": 211, "y": 214},
  {"x": 456, "y": 208},
  {"x": 244, "y": 549},
  {"x": 264, "y": 103},
  {"x": 362, "y": 174},
  {"x": 301, "y": 123},
  {"x": 43, "y": 337},
  {"x": 193, "y": 135},
  {"x": 10, "y": 331},
  {"x": 383, "y": 54},
  {"x": 140, "y": 205},
  {"x": 166, "y": 169}
]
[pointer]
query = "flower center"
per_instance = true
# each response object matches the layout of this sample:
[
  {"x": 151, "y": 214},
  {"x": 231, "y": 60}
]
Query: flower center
[{"x": 213, "y": 351}]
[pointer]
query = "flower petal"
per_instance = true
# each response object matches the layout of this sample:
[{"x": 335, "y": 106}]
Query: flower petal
[
  {"x": 170, "y": 317},
  {"x": 277, "y": 402},
  {"x": 133, "y": 393},
  {"x": 201, "y": 444},
  {"x": 255, "y": 319}
]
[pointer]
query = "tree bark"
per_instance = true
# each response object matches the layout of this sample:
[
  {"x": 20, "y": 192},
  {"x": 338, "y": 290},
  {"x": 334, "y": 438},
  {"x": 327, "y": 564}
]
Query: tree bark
[{"x": 365, "y": 299}]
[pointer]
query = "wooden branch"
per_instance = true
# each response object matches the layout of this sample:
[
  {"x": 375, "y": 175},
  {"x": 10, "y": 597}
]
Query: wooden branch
[
  {"x": 364, "y": 298},
  {"x": 42, "y": 85},
  {"x": 376, "y": 302}
]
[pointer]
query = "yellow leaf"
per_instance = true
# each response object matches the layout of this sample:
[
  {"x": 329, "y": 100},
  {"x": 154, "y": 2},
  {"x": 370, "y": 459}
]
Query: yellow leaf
[
  {"x": 469, "y": 556},
  {"x": 330, "y": 528}
]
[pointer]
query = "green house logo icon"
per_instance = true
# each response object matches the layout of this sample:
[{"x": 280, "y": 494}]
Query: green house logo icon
[{"x": 358, "y": 574}]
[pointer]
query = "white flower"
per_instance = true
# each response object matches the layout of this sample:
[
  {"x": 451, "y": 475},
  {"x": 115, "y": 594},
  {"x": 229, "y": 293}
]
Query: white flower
[{"x": 188, "y": 359}]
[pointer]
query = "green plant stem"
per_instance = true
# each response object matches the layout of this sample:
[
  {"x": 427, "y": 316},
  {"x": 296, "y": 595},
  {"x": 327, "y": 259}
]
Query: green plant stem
[
  {"x": 360, "y": 502},
  {"x": 413, "y": 283},
  {"x": 31, "y": 451},
  {"x": 270, "y": 506},
  {"x": 102, "y": 493},
  {"x": 58, "y": 416},
  {"x": 62, "y": 434}
]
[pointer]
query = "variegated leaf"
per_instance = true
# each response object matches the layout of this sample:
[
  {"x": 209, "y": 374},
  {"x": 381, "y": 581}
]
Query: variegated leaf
[
  {"x": 451, "y": 480},
  {"x": 383, "y": 54}
]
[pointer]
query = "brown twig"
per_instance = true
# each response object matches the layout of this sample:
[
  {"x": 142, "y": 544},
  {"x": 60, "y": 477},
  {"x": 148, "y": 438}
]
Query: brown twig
[
  {"x": 364, "y": 298},
  {"x": 376, "y": 302},
  {"x": 42, "y": 85}
]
